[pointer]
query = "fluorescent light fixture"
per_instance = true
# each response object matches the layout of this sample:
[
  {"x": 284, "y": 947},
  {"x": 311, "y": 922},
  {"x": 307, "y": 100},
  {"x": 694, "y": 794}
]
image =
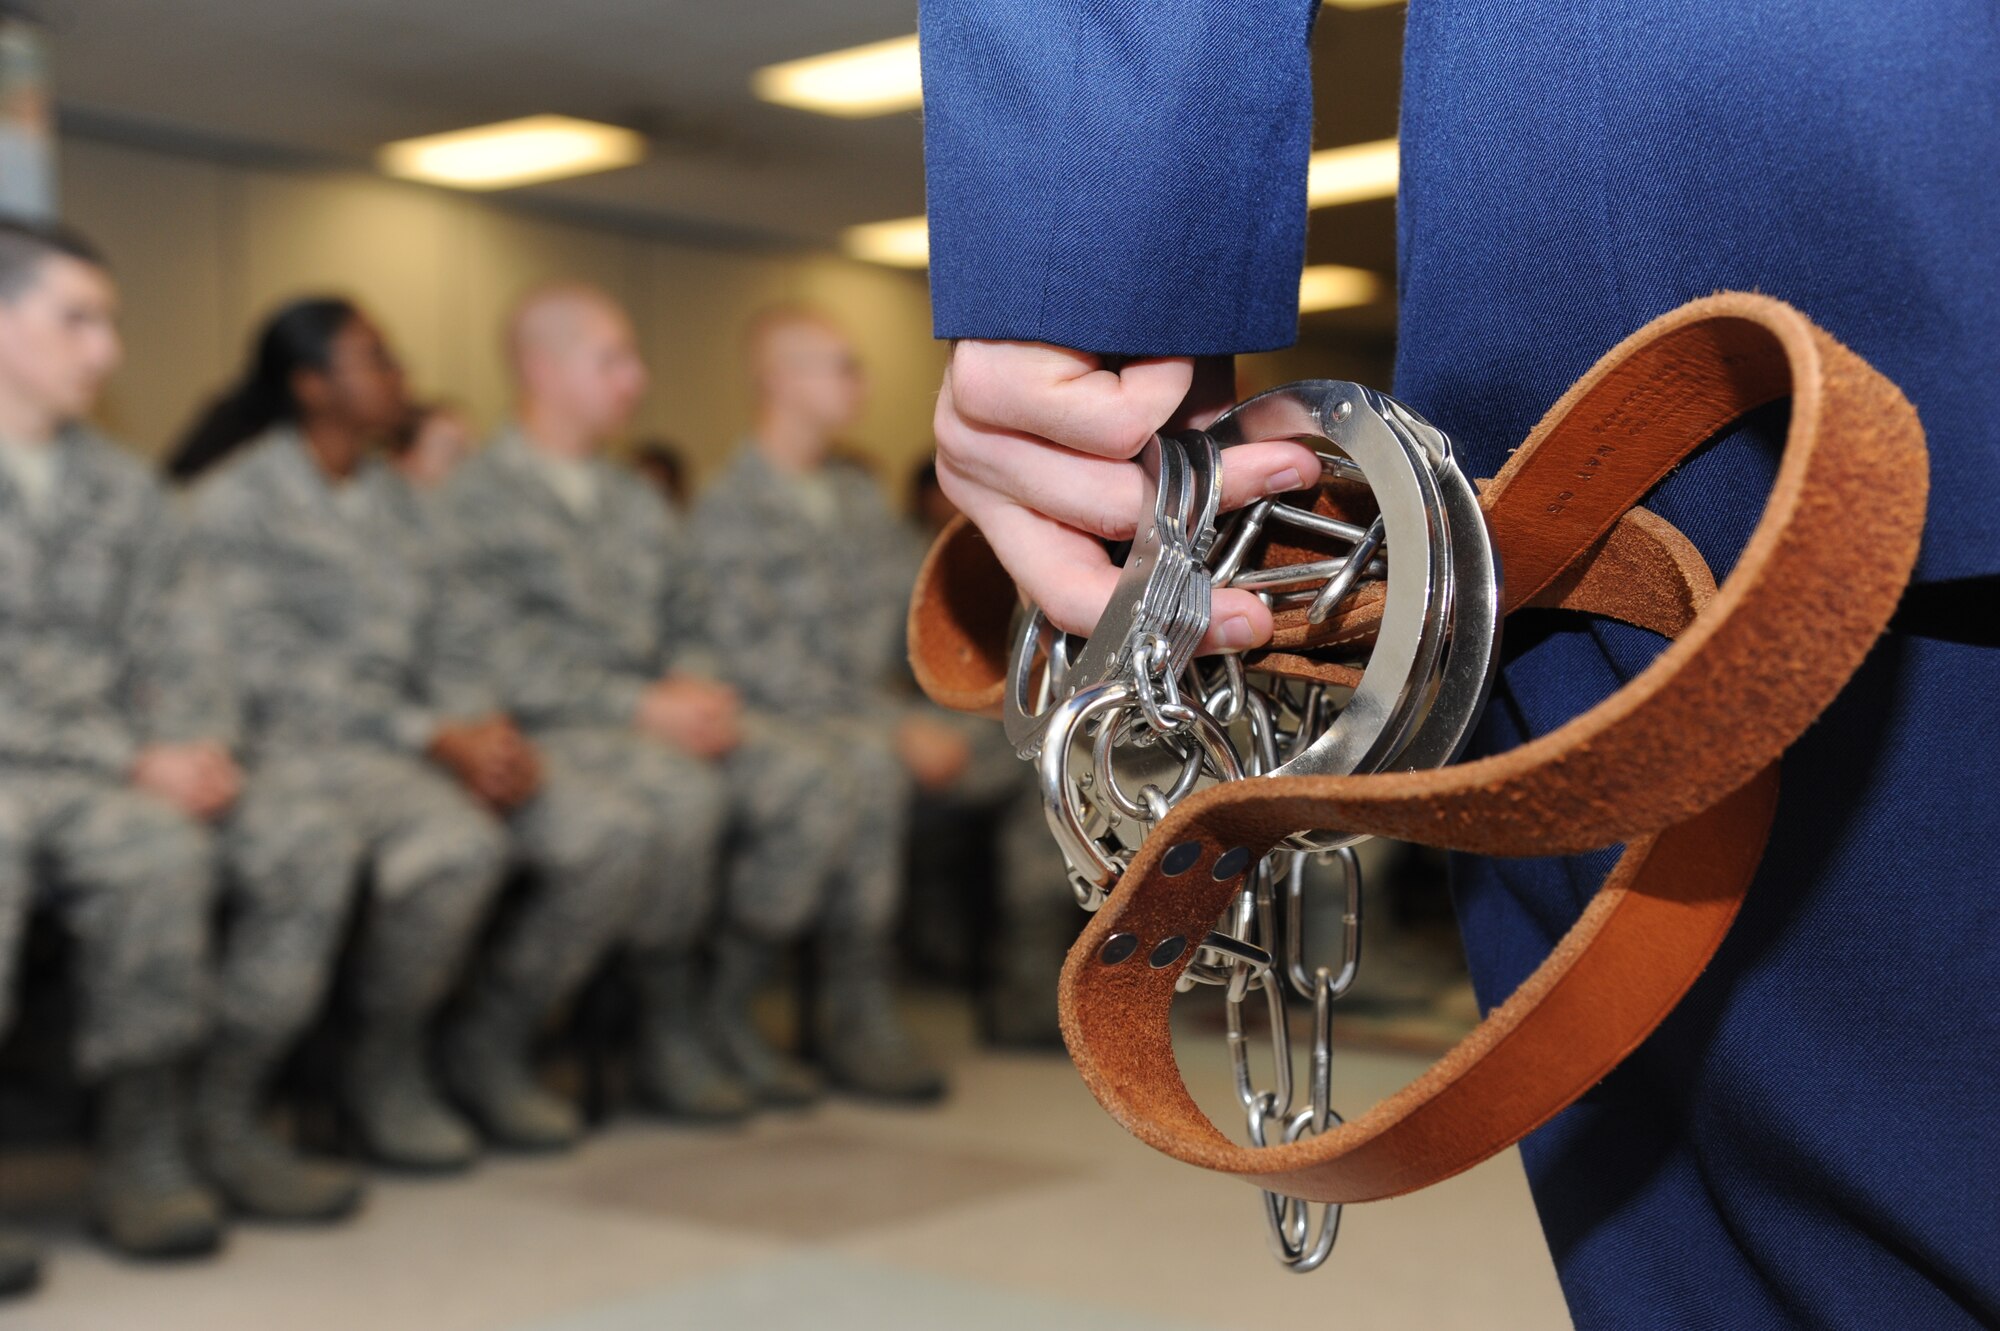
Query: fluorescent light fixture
[
  {"x": 869, "y": 80},
  {"x": 513, "y": 152},
  {"x": 903, "y": 243},
  {"x": 1351, "y": 174},
  {"x": 1333, "y": 286}
]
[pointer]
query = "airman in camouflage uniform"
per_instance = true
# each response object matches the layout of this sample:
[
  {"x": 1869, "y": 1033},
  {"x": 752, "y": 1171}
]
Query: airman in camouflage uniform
[
  {"x": 325, "y": 592},
  {"x": 807, "y": 579},
  {"x": 83, "y": 646},
  {"x": 108, "y": 772},
  {"x": 805, "y": 616},
  {"x": 91, "y": 681},
  {"x": 564, "y": 621},
  {"x": 564, "y": 612}
]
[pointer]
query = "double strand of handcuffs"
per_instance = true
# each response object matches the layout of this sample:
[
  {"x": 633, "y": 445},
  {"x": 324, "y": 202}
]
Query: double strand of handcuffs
[{"x": 1128, "y": 722}]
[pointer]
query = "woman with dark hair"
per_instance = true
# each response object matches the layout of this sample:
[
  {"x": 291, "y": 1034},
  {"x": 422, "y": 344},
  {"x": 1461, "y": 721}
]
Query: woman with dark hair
[
  {"x": 313, "y": 548},
  {"x": 300, "y": 337}
]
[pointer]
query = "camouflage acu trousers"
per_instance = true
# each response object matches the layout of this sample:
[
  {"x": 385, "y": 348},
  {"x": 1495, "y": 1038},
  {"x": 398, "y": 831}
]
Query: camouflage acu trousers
[
  {"x": 312, "y": 821},
  {"x": 822, "y": 808},
  {"x": 132, "y": 879},
  {"x": 621, "y": 841},
  {"x": 292, "y": 861}
]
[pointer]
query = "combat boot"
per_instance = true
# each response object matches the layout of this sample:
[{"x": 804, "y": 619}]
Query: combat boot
[
  {"x": 864, "y": 1045},
  {"x": 146, "y": 1199},
  {"x": 677, "y": 1069},
  {"x": 256, "y": 1172},
  {"x": 395, "y": 1108},
  {"x": 489, "y": 1068},
  {"x": 20, "y": 1265},
  {"x": 742, "y": 963}
]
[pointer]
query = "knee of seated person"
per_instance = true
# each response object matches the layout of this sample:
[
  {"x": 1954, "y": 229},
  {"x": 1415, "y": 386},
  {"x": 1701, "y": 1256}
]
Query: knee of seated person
[
  {"x": 468, "y": 847},
  {"x": 300, "y": 848},
  {"x": 592, "y": 835},
  {"x": 618, "y": 825},
  {"x": 685, "y": 800}
]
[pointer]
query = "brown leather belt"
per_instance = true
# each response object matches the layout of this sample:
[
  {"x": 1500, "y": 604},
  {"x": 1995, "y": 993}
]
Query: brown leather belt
[{"x": 1680, "y": 765}]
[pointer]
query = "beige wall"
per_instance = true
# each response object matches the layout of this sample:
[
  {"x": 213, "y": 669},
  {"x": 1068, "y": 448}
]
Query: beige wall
[{"x": 204, "y": 249}]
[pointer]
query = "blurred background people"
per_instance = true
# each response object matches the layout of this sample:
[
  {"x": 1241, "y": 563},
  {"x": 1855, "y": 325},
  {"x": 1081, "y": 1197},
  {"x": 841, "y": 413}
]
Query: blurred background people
[
  {"x": 990, "y": 902},
  {"x": 432, "y": 442},
  {"x": 110, "y": 772},
  {"x": 807, "y": 576},
  {"x": 663, "y": 462},
  {"x": 569, "y": 612},
  {"x": 313, "y": 551}
]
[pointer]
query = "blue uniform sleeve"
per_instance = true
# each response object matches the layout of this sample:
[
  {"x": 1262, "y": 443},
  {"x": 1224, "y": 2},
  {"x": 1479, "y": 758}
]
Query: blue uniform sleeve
[{"x": 1118, "y": 177}]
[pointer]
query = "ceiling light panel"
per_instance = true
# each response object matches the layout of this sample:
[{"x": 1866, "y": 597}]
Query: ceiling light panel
[
  {"x": 870, "y": 80},
  {"x": 513, "y": 153},
  {"x": 903, "y": 243}
]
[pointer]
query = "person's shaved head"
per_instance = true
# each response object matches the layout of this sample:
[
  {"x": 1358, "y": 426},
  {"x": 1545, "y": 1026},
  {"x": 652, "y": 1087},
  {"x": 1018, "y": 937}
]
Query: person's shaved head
[
  {"x": 807, "y": 377},
  {"x": 577, "y": 368}
]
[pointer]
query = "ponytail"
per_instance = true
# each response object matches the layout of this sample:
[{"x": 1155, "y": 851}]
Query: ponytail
[{"x": 298, "y": 337}]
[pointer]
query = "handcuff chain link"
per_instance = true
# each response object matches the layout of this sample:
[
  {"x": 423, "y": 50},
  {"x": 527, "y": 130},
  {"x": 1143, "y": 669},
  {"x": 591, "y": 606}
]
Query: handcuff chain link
[{"x": 1180, "y": 722}]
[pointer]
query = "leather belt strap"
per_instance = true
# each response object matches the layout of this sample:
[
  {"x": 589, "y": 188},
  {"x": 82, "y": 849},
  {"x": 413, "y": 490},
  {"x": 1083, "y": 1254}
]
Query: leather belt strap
[{"x": 1679, "y": 765}]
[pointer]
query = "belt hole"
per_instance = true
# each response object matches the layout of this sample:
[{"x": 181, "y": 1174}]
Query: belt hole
[
  {"x": 1117, "y": 948},
  {"x": 1179, "y": 859},
  {"x": 1167, "y": 953},
  {"x": 1231, "y": 862}
]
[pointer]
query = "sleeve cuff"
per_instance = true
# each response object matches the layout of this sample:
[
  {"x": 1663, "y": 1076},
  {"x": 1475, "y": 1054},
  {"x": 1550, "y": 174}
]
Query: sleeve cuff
[
  {"x": 1125, "y": 180},
  {"x": 413, "y": 730}
]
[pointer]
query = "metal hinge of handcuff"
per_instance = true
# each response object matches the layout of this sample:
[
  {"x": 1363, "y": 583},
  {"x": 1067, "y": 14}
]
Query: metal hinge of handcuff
[{"x": 1134, "y": 694}]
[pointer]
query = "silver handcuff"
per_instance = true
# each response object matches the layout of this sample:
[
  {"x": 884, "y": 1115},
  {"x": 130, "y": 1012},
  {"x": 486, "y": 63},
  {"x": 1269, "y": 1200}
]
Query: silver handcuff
[{"x": 1125, "y": 723}]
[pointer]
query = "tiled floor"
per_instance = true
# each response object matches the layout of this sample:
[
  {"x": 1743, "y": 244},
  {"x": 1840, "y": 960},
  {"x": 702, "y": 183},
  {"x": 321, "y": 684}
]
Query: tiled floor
[{"x": 1017, "y": 1206}]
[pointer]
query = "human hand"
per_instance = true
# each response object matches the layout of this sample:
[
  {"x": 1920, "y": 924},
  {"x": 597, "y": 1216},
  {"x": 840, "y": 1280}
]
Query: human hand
[
  {"x": 491, "y": 758},
  {"x": 932, "y": 752},
  {"x": 1035, "y": 446},
  {"x": 692, "y": 713},
  {"x": 200, "y": 778}
]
